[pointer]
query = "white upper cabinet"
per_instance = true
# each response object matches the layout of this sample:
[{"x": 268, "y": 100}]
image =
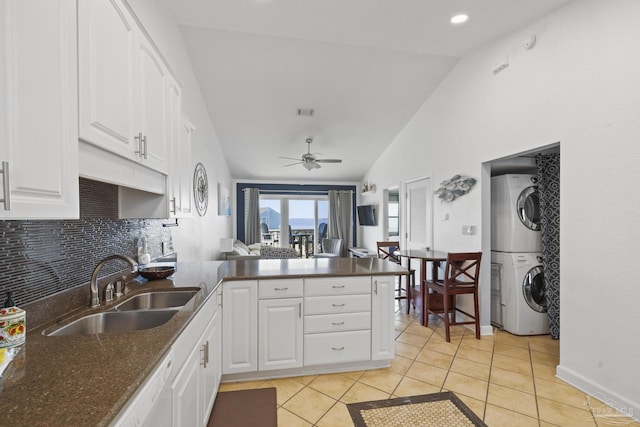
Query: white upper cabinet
[
  {"x": 38, "y": 109},
  {"x": 107, "y": 42},
  {"x": 181, "y": 169},
  {"x": 122, "y": 85},
  {"x": 152, "y": 107}
]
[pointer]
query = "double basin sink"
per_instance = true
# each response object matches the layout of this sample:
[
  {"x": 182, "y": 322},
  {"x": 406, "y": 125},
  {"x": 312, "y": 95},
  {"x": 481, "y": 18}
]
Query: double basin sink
[{"x": 142, "y": 311}]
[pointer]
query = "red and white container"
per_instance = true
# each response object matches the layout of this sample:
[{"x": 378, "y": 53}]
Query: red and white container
[{"x": 13, "y": 327}]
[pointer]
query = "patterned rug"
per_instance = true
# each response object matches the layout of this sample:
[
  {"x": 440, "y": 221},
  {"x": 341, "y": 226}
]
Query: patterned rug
[{"x": 437, "y": 409}]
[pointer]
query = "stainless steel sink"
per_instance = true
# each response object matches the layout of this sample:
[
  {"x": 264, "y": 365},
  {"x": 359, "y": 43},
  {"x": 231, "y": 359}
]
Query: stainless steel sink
[
  {"x": 115, "y": 321},
  {"x": 156, "y": 300}
]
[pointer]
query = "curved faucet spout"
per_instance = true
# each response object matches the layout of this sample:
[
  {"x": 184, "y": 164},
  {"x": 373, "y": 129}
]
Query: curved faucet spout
[{"x": 93, "y": 287}]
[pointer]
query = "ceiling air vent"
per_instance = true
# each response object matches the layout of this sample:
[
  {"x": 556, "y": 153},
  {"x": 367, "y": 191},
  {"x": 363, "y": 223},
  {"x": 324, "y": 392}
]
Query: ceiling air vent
[{"x": 306, "y": 112}]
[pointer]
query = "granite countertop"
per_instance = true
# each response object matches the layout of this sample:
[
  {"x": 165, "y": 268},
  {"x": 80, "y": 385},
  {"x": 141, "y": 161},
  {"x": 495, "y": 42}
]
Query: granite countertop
[{"x": 85, "y": 380}]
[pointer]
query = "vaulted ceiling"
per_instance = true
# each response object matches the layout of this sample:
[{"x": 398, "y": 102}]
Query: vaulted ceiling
[{"x": 363, "y": 66}]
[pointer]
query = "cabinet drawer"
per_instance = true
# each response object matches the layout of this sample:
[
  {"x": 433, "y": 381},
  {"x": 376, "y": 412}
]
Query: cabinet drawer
[
  {"x": 336, "y": 322},
  {"x": 319, "y": 286},
  {"x": 287, "y": 288},
  {"x": 337, "y": 304},
  {"x": 337, "y": 347}
]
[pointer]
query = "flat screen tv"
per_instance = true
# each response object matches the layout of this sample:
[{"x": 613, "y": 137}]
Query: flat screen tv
[{"x": 367, "y": 215}]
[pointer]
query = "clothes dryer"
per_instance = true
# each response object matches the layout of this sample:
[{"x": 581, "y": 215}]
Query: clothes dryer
[
  {"x": 515, "y": 213},
  {"x": 523, "y": 292}
]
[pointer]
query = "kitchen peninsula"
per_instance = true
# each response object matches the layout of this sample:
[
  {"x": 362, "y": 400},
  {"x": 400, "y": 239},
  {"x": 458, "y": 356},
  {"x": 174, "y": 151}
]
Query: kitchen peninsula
[{"x": 144, "y": 376}]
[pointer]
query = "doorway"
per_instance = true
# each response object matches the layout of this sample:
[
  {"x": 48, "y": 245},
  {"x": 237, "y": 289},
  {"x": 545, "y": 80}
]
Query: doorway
[{"x": 504, "y": 305}]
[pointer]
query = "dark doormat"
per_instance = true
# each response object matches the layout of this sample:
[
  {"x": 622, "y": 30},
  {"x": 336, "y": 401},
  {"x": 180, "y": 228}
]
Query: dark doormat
[
  {"x": 245, "y": 408},
  {"x": 437, "y": 409}
]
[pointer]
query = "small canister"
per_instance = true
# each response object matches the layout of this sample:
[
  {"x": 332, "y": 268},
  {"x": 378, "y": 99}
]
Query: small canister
[{"x": 13, "y": 327}]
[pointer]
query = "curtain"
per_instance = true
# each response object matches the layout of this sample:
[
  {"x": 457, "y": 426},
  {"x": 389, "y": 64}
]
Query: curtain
[
  {"x": 341, "y": 218},
  {"x": 252, "y": 216},
  {"x": 549, "y": 189}
]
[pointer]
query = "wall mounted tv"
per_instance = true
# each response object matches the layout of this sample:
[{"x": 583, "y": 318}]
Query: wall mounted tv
[{"x": 367, "y": 215}]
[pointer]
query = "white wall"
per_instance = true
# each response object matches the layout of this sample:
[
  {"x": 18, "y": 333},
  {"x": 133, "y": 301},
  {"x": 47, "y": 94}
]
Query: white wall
[
  {"x": 196, "y": 238},
  {"x": 579, "y": 85}
]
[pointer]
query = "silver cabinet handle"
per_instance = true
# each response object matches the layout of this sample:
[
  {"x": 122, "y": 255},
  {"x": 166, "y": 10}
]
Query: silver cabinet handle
[
  {"x": 280, "y": 289},
  {"x": 299, "y": 310},
  {"x": 337, "y": 348},
  {"x": 139, "y": 139},
  {"x": 144, "y": 145},
  {"x": 337, "y": 323},
  {"x": 376, "y": 287},
  {"x": 5, "y": 184},
  {"x": 338, "y": 305},
  {"x": 337, "y": 286},
  {"x": 172, "y": 200},
  {"x": 205, "y": 354}
]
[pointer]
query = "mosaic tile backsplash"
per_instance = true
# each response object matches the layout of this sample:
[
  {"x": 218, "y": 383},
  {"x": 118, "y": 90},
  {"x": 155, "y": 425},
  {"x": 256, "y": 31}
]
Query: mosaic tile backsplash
[{"x": 39, "y": 258}]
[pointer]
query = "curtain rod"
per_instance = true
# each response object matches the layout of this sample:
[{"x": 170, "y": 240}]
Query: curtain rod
[{"x": 290, "y": 191}]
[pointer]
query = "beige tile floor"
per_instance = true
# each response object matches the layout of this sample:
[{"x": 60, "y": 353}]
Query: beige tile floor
[{"x": 505, "y": 379}]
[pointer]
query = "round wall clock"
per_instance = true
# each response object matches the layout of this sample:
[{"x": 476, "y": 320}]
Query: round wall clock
[{"x": 201, "y": 189}]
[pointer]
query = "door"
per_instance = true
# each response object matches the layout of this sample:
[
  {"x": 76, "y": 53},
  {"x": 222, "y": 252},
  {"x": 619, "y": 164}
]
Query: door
[
  {"x": 419, "y": 218},
  {"x": 382, "y": 314},
  {"x": 419, "y": 214}
]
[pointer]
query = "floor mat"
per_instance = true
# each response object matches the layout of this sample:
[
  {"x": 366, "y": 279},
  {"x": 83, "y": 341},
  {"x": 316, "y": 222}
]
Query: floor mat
[
  {"x": 437, "y": 409},
  {"x": 245, "y": 408}
]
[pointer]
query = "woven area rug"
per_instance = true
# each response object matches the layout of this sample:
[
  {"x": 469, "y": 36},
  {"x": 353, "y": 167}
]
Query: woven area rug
[{"x": 437, "y": 409}]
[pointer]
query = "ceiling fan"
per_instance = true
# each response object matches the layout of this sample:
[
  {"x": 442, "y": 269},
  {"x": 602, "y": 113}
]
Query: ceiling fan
[{"x": 309, "y": 160}]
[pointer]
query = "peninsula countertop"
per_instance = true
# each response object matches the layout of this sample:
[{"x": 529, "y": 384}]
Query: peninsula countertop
[{"x": 85, "y": 380}]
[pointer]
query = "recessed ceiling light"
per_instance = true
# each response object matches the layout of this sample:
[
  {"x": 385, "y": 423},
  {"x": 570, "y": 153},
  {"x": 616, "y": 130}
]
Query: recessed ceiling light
[{"x": 460, "y": 18}]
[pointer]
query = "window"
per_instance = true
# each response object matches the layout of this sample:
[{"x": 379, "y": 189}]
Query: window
[{"x": 393, "y": 216}]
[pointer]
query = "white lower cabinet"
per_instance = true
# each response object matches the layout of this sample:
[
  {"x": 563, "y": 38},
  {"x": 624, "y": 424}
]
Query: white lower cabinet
[
  {"x": 306, "y": 323},
  {"x": 240, "y": 326},
  {"x": 195, "y": 386},
  {"x": 280, "y": 334},
  {"x": 382, "y": 315},
  {"x": 182, "y": 389}
]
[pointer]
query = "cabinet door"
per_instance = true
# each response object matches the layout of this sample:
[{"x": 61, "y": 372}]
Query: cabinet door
[
  {"x": 239, "y": 326},
  {"x": 382, "y": 318},
  {"x": 186, "y": 390},
  {"x": 280, "y": 334},
  {"x": 211, "y": 364},
  {"x": 38, "y": 109},
  {"x": 152, "y": 83},
  {"x": 106, "y": 76}
]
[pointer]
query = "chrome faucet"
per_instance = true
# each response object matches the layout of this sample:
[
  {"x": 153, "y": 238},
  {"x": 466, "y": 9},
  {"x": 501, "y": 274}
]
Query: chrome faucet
[{"x": 95, "y": 297}]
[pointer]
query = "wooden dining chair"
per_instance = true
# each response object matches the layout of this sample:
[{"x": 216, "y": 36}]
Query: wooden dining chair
[
  {"x": 386, "y": 251},
  {"x": 460, "y": 278}
]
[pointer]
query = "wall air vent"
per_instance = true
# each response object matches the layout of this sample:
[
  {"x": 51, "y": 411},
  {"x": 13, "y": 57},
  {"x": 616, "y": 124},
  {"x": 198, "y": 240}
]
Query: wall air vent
[{"x": 306, "y": 112}]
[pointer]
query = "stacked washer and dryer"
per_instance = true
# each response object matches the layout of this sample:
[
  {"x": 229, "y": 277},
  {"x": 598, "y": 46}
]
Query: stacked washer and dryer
[{"x": 518, "y": 300}]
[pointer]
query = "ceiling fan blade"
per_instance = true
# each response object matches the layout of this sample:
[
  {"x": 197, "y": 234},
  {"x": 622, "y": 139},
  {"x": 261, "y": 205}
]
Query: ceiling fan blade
[
  {"x": 291, "y": 164},
  {"x": 290, "y": 158},
  {"x": 328, "y": 160}
]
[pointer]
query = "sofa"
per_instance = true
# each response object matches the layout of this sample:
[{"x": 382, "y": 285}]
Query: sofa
[{"x": 257, "y": 251}]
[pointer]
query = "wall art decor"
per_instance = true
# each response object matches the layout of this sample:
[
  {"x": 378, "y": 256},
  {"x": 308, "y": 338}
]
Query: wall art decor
[
  {"x": 201, "y": 189},
  {"x": 457, "y": 186},
  {"x": 224, "y": 201}
]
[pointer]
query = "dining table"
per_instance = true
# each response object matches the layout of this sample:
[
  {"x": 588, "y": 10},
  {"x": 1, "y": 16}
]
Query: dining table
[{"x": 417, "y": 296}]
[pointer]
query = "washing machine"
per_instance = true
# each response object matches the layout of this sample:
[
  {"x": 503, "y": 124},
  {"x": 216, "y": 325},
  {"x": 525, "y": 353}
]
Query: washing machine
[
  {"x": 515, "y": 213},
  {"x": 522, "y": 292}
]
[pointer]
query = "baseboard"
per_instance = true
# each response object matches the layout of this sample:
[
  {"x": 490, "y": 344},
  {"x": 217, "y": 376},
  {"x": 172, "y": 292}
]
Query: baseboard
[
  {"x": 486, "y": 330},
  {"x": 612, "y": 399}
]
